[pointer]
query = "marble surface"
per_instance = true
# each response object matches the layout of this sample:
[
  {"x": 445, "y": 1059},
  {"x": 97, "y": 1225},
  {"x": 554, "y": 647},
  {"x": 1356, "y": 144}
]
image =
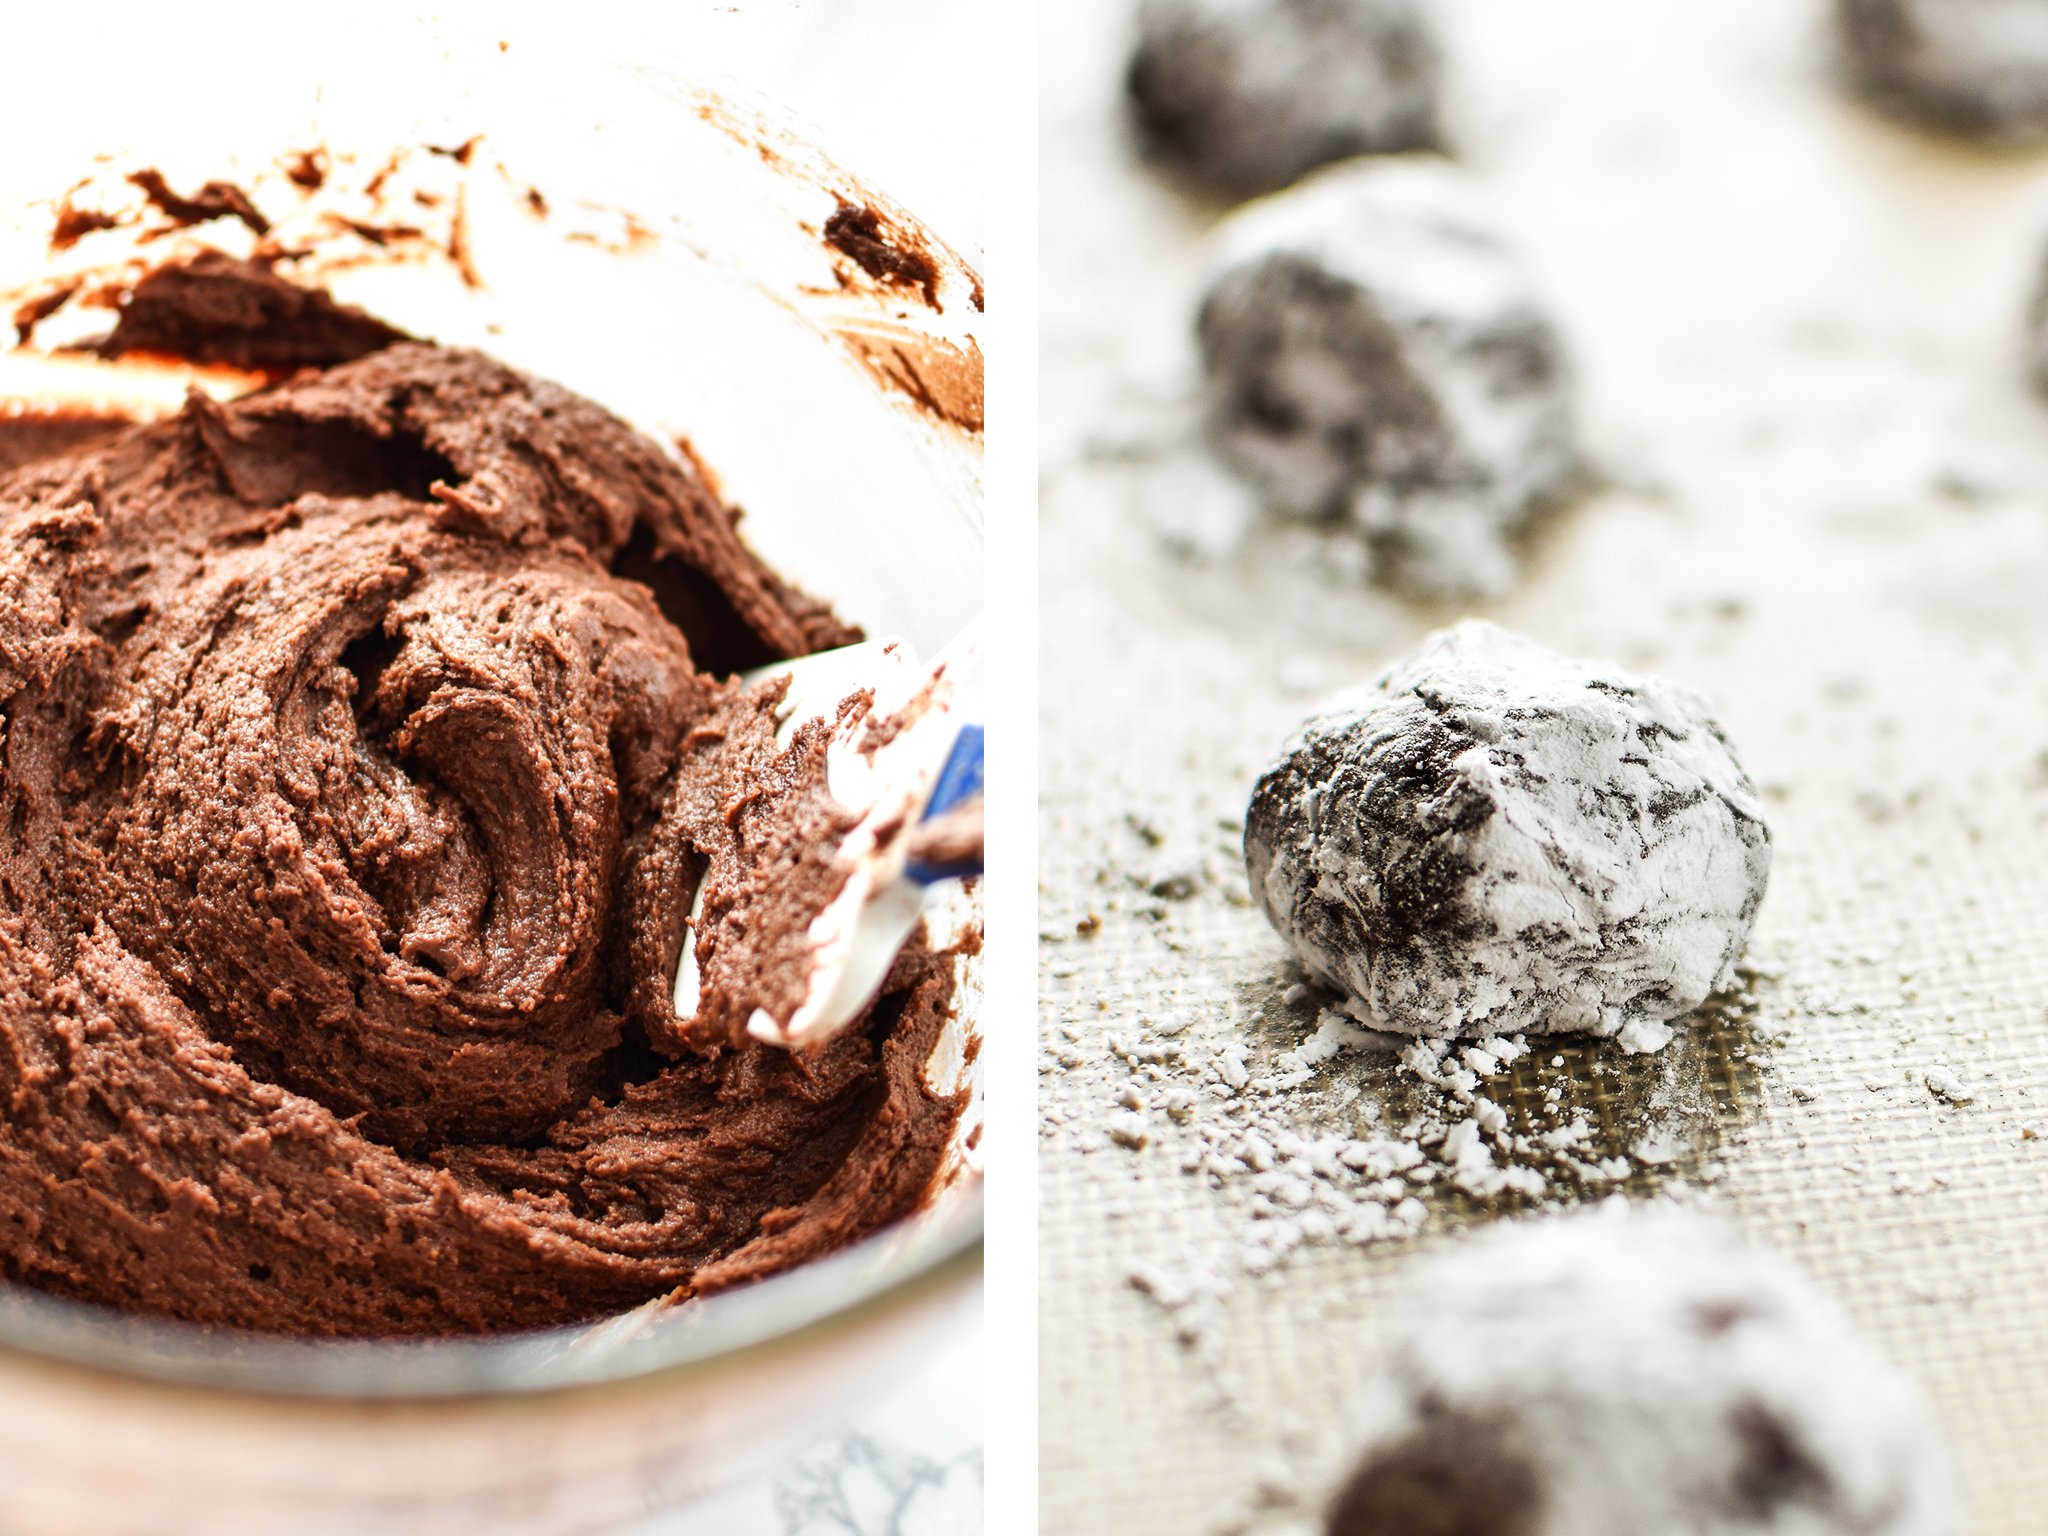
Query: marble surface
[{"x": 912, "y": 1466}]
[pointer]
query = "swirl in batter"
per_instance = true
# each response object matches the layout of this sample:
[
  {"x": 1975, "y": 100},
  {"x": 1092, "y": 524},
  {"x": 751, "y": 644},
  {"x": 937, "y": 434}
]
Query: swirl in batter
[{"x": 361, "y": 742}]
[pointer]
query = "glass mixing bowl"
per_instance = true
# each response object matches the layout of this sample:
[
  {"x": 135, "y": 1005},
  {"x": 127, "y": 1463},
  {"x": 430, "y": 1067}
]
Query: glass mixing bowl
[{"x": 681, "y": 256}]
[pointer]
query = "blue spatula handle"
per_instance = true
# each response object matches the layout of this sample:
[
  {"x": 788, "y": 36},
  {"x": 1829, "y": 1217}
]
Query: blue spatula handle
[{"x": 959, "y": 780}]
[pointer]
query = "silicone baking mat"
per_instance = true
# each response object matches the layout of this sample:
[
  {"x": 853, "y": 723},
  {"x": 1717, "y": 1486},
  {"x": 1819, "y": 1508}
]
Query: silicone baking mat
[{"x": 1798, "y": 337}]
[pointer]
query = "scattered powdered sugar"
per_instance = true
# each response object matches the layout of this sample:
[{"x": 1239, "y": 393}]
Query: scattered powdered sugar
[
  {"x": 1352, "y": 1136},
  {"x": 1945, "y": 1084}
]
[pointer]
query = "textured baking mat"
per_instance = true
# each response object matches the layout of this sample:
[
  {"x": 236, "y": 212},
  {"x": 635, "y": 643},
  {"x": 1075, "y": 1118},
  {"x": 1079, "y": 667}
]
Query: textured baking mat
[{"x": 1797, "y": 331}]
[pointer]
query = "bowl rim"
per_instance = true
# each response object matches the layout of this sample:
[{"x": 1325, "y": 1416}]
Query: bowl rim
[{"x": 936, "y": 1250}]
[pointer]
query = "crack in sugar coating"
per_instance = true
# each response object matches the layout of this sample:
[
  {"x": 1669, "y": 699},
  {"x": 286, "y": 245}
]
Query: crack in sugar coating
[{"x": 350, "y": 785}]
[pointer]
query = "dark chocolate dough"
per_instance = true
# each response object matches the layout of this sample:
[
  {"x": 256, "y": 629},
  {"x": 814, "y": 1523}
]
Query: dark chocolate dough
[
  {"x": 215, "y": 309},
  {"x": 353, "y": 794}
]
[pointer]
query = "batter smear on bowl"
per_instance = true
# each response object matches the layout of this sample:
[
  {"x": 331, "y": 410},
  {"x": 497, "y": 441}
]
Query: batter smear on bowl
[{"x": 361, "y": 743}]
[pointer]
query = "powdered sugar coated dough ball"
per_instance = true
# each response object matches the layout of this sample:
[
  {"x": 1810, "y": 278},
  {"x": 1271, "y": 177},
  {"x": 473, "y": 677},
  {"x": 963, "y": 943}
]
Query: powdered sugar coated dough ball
[
  {"x": 1493, "y": 837},
  {"x": 1373, "y": 350},
  {"x": 1246, "y": 95},
  {"x": 1974, "y": 67},
  {"x": 1625, "y": 1373}
]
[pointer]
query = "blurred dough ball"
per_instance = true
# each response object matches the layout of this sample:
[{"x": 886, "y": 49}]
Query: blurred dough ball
[
  {"x": 1630, "y": 1373},
  {"x": 1246, "y": 95},
  {"x": 1374, "y": 352},
  {"x": 1974, "y": 67}
]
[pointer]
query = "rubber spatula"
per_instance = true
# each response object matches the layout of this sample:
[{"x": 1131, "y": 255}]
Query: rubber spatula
[{"x": 917, "y": 797}]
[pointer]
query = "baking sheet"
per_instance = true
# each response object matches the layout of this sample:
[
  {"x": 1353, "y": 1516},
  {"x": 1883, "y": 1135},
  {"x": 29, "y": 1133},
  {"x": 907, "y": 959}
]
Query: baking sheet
[{"x": 1798, "y": 336}]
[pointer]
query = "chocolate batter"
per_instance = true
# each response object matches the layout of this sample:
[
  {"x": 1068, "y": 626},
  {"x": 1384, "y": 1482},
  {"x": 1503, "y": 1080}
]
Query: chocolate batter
[{"x": 361, "y": 742}]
